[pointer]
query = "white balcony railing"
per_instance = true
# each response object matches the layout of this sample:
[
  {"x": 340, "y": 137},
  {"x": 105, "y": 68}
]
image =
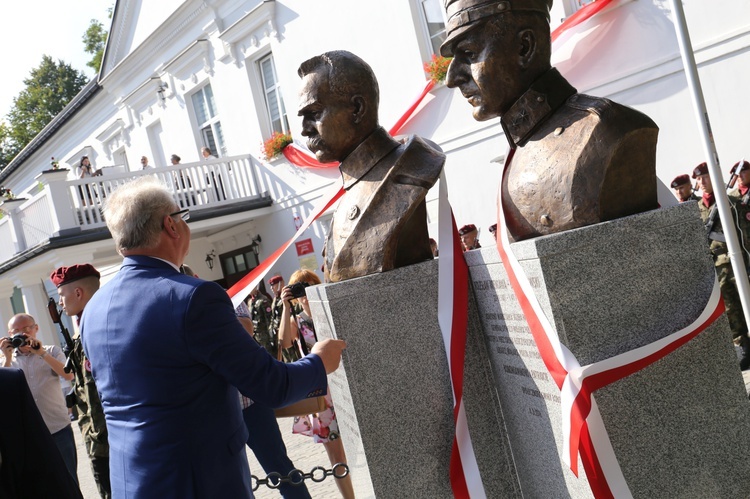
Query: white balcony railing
[{"x": 57, "y": 205}]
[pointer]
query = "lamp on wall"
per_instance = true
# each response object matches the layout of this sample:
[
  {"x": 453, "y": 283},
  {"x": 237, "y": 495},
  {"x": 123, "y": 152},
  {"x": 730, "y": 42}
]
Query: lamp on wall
[
  {"x": 161, "y": 89},
  {"x": 255, "y": 245},
  {"x": 210, "y": 259}
]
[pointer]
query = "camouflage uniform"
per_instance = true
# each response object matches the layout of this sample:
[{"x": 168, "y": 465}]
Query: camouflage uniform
[
  {"x": 720, "y": 255},
  {"x": 741, "y": 212},
  {"x": 91, "y": 419},
  {"x": 260, "y": 313},
  {"x": 277, "y": 308}
]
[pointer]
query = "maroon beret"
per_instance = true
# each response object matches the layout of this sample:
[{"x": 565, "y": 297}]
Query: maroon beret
[
  {"x": 64, "y": 275},
  {"x": 740, "y": 166},
  {"x": 466, "y": 229},
  {"x": 680, "y": 180},
  {"x": 275, "y": 280},
  {"x": 493, "y": 228},
  {"x": 701, "y": 169}
]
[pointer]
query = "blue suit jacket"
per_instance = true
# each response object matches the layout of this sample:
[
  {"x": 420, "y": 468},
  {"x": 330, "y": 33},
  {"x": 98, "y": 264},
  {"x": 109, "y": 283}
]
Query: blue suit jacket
[
  {"x": 167, "y": 352},
  {"x": 31, "y": 466}
]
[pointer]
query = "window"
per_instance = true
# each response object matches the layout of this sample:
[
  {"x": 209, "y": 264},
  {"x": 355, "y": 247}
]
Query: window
[
  {"x": 207, "y": 118},
  {"x": 237, "y": 263},
  {"x": 432, "y": 12},
  {"x": 272, "y": 93}
]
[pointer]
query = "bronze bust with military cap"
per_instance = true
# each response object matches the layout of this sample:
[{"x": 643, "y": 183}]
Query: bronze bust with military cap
[
  {"x": 381, "y": 222},
  {"x": 578, "y": 160}
]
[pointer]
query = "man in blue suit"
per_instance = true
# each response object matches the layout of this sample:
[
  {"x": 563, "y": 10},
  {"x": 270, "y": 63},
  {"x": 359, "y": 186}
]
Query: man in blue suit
[{"x": 167, "y": 352}]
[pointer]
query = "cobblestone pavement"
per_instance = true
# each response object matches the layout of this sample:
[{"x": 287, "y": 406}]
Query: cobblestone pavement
[{"x": 304, "y": 454}]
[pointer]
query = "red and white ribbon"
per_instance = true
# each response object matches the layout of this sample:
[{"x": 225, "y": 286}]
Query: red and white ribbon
[
  {"x": 244, "y": 286},
  {"x": 579, "y": 17},
  {"x": 583, "y": 429},
  {"x": 453, "y": 305},
  {"x": 297, "y": 157},
  {"x": 453, "y": 287}
]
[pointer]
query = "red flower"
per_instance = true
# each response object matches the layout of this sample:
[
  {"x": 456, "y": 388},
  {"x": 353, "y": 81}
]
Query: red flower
[
  {"x": 437, "y": 68},
  {"x": 273, "y": 146}
]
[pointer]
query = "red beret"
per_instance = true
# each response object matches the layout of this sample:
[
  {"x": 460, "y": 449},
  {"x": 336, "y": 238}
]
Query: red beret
[
  {"x": 493, "y": 228},
  {"x": 64, "y": 275},
  {"x": 740, "y": 166},
  {"x": 275, "y": 280},
  {"x": 701, "y": 169},
  {"x": 680, "y": 180},
  {"x": 466, "y": 229}
]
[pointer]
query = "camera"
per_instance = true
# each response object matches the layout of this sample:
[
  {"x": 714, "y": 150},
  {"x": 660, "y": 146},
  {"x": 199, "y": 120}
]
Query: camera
[
  {"x": 19, "y": 340},
  {"x": 298, "y": 289}
]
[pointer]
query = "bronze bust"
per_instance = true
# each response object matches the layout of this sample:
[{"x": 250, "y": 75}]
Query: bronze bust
[
  {"x": 381, "y": 222},
  {"x": 578, "y": 160}
]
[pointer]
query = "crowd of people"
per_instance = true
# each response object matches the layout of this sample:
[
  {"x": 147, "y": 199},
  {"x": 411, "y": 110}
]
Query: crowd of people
[
  {"x": 182, "y": 383},
  {"x": 738, "y": 194}
]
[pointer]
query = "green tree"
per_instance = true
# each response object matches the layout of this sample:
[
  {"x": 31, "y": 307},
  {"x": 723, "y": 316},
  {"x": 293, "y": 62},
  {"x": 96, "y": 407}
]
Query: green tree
[
  {"x": 94, "y": 41},
  {"x": 6, "y": 154},
  {"x": 49, "y": 88}
]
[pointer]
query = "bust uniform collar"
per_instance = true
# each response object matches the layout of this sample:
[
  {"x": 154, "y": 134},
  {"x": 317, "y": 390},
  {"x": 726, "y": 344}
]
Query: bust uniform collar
[
  {"x": 545, "y": 96},
  {"x": 365, "y": 156}
]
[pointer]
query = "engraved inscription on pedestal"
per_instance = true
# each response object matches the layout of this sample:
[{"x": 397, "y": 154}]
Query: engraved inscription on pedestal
[{"x": 529, "y": 397}]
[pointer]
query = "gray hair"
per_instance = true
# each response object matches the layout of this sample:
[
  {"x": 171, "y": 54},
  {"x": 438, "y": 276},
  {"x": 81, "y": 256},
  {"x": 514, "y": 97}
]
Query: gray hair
[{"x": 134, "y": 213}]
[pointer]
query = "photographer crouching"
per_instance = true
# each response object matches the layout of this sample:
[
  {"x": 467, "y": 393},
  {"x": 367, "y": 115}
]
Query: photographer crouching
[{"x": 42, "y": 365}]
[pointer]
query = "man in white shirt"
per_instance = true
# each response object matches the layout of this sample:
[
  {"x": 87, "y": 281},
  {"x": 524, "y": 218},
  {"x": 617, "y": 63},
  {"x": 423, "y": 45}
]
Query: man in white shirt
[{"x": 43, "y": 366}]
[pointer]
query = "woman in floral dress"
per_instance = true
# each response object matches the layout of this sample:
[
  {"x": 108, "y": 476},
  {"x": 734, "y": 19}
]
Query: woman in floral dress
[{"x": 322, "y": 426}]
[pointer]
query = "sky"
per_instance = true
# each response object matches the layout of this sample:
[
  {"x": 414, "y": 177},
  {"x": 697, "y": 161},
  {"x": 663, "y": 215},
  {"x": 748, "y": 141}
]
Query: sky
[{"x": 35, "y": 28}]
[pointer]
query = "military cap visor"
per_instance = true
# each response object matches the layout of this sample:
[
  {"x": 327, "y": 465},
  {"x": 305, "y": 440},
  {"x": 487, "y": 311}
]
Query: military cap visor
[{"x": 465, "y": 15}]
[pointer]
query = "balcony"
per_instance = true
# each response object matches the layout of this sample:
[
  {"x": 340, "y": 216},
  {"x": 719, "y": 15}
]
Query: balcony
[{"x": 58, "y": 208}]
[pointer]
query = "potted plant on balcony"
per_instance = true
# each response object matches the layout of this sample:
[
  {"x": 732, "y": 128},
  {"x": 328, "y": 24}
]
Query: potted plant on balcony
[
  {"x": 272, "y": 147},
  {"x": 437, "y": 68},
  {"x": 9, "y": 200}
]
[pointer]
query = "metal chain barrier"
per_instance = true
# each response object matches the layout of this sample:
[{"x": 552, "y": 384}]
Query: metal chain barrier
[{"x": 295, "y": 477}]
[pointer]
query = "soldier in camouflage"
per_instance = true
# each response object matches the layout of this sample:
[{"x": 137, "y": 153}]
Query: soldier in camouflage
[
  {"x": 740, "y": 194},
  {"x": 683, "y": 189},
  {"x": 260, "y": 313},
  {"x": 277, "y": 285},
  {"x": 76, "y": 285},
  {"x": 722, "y": 263}
]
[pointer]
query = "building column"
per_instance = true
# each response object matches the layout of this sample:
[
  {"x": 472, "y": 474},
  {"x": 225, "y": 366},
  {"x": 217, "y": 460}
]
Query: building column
[{"x": 6, "y": 309}]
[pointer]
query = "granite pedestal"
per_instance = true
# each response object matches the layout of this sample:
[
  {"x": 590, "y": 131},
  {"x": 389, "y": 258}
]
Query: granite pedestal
[
  {"x": 680, "y": 427},
  {"x": 392, "y": 393}
]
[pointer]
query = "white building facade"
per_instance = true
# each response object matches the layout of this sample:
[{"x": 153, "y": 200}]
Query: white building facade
[{"x": 180, "y": 75}]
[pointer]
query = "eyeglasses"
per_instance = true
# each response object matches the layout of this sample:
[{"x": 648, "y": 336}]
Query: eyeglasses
[
  {"x": 24, "y": 329},
  {"x": 183, "y": 214}
]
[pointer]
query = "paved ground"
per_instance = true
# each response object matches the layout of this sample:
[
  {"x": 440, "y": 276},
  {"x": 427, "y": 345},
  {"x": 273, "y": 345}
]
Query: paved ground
[{"x": 304, "y": 453}]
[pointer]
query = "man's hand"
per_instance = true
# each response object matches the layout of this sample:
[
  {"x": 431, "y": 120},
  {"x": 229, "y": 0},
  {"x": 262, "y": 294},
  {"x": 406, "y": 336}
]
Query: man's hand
[
  {"x": 330, "y": 353},
  {"x": 7, "y": 347}
]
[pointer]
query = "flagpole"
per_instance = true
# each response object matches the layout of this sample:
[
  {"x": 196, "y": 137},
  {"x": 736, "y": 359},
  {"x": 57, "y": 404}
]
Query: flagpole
[{"x": 709, "y": 147}]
